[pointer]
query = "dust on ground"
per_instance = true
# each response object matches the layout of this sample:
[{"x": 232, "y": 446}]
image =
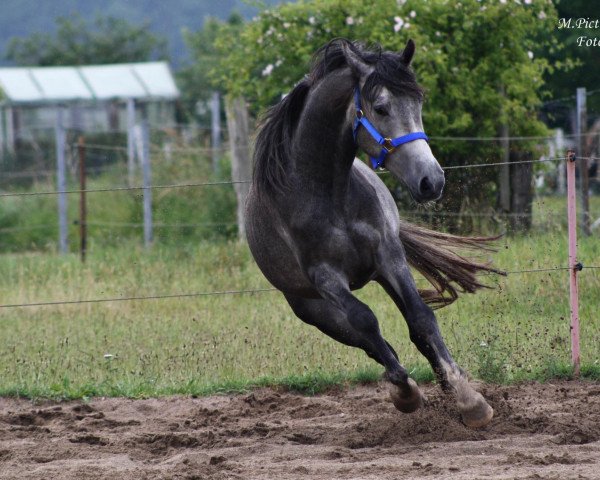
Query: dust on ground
[{"x": 540, "y": 431}]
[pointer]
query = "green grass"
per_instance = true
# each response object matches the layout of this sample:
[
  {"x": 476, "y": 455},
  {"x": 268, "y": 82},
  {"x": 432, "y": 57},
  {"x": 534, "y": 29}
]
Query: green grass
[{"x": 517, "y": 330}]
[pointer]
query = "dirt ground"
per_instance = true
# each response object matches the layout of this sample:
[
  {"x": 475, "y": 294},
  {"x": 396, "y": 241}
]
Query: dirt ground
[{"x": 549, "y": 431}]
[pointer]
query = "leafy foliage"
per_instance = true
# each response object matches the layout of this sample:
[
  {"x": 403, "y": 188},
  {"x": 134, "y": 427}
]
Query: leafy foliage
[
  {"x": 77, "y": 42},
  {"x": 476, "y": 59},
  {"x": 194, "y": 79}
]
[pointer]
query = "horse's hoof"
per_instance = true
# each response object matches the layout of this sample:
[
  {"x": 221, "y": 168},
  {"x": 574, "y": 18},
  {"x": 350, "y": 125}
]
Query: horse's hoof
[
  {"x": 476, "y": 413},
  {"x": 407, "y": 400}
]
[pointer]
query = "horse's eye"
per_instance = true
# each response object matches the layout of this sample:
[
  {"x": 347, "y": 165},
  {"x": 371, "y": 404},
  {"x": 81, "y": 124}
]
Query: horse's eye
[{"x": 381, "y": 110}]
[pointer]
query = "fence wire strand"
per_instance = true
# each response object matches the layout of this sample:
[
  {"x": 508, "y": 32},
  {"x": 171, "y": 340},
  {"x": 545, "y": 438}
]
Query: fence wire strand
[
  {"x": 480, "y": 165},
  {"x": 225, "y": 292},
  {"x": 234, "y": 182},
  {"x": 149, "y": 297},
  {"x": 125, "y": 189}
]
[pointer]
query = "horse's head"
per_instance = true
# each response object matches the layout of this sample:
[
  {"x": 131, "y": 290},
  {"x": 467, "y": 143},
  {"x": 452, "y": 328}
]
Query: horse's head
[{"x": 386, "y": 114}]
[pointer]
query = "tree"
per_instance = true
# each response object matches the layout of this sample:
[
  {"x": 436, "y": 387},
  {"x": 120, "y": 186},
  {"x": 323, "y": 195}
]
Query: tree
[
  {"x": 477, "y": 60},
  {"x": 194, "y": 79},
  {"x": 76, "y": 42}
]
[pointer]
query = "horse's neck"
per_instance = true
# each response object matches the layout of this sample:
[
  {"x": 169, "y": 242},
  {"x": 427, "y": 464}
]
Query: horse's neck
[{"x": 323, "y": 146}]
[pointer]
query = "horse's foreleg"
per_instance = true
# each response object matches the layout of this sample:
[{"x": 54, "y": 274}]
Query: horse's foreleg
[
  {"x": 396, "y": 278},
  {"x": 346, "y": 319}
]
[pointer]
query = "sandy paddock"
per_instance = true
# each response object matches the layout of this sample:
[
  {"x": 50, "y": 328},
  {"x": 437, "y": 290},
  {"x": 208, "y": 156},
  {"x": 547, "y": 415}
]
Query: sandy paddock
[{"x": 549, "y": 431}]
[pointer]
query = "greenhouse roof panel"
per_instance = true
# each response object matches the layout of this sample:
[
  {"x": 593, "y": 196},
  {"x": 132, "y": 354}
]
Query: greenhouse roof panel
[
  {"x": 113, "y": 81},
  {"x": 61, "y": 84},
  {"x": 18, "y": 85},
  {"x": 142, "y": 81},
  {"x": 157, "y": 79}
]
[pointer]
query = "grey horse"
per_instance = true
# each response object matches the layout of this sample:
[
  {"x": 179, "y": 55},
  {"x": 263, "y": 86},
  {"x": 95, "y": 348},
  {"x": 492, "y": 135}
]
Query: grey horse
[{"x": 320, "y": 223}]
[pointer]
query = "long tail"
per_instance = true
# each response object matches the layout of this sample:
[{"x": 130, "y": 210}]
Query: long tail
[{"x": 434, "y": 255}]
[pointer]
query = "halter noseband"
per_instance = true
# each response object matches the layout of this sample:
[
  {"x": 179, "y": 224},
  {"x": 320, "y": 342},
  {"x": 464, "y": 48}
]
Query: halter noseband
[{"x": 388, "y": 144}]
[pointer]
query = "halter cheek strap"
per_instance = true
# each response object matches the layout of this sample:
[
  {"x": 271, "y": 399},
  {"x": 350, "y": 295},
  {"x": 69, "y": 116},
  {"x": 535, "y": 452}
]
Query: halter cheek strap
[{"x": 388, "y": 144}]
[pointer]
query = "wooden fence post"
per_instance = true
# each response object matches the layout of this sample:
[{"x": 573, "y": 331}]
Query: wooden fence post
[
  {"x": 82, "y": 199},
  {"x": 2, "y": 136},
  {"x": 561, "y": 170},
  {"x": 574, "y": 266},
  {"x": 241, "y": 171},
  {"x": 521, "y": 192},
  {"x": 504, "y": 174},
  {"x": 504, "y": 184}
]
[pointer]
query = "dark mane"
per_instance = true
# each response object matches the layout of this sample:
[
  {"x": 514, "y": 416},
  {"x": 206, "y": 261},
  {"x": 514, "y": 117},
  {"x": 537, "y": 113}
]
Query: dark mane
[{"x": 274, "y": 139}]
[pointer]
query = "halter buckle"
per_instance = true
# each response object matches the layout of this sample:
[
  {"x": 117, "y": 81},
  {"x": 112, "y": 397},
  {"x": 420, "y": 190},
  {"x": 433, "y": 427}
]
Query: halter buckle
[
  {"x": 359, "y": 114},
  {"x": 388, "y": 145}
]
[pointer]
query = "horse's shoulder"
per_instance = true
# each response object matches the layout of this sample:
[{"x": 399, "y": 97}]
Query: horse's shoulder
[
  {"x": 379, "y": 195},
  {"x": 368, "y": 177}
]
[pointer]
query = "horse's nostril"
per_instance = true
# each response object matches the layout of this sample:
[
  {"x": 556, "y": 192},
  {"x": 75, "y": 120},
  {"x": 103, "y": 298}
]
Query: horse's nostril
[{"x": 426, "y": 186}]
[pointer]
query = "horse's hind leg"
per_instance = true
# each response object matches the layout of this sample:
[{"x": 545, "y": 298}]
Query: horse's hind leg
[
  {"x": 362, "y": 332},
  {"x": 333, "y": 323},
  {"x": 397, "y": 280}
]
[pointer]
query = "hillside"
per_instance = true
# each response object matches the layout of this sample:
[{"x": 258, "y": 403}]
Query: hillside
[{"x": 165, "y": 18}]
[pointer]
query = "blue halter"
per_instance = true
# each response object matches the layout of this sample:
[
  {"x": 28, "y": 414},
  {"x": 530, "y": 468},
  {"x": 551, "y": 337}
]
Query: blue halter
[{"x": 388, "y": 144}]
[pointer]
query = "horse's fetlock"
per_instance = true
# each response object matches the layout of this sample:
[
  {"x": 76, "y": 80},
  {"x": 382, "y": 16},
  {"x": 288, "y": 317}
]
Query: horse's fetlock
[{"x": 398, "y": 378}]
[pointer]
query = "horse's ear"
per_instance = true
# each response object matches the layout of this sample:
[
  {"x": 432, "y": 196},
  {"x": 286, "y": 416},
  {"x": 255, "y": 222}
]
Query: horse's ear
[
  {"x": 357, "y": 65},
  {"x": 408, "y": 52}
]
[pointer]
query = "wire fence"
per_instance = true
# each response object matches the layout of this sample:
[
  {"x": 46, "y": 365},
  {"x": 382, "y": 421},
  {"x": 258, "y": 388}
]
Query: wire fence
[{"x": 201, "y": 184}]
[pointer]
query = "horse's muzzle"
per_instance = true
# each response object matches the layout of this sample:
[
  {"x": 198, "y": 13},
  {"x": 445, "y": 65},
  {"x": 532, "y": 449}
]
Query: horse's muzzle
[{"x": 430, "y": 188}]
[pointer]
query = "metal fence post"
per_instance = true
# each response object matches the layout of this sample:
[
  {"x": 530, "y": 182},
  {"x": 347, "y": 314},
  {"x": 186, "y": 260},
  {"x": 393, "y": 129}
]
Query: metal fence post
[
  {"x": 61, "y": 180},
  {"x": 215, "y": 113},
  {"x": 130, "y": 141},
  {"x": 9, "y": 123},
  {"x": 147, "y": 181},
  {"x": 581, "y": 124}
]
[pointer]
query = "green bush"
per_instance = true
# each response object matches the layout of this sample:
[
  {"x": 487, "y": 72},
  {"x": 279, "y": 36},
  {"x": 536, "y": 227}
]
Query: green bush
[{"x": 180, "y": 214}]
